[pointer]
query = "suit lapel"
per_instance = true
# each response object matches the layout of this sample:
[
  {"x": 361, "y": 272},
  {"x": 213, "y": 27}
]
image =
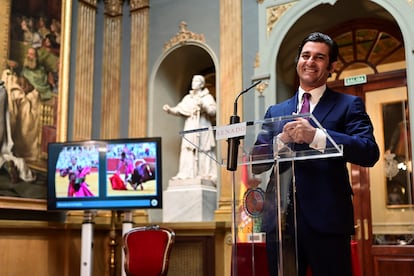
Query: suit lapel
[
  {"x": 291, "y": 105},
  {"x": 325, "y": 105}
]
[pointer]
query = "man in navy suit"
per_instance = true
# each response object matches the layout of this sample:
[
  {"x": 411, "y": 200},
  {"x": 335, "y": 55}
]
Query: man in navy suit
[{"x": 324, "y": 210}]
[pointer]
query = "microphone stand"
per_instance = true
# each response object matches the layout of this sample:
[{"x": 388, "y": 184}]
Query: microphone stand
[
  {"x": 234, "y": 142},
  {"x": 232, "y": 155}
]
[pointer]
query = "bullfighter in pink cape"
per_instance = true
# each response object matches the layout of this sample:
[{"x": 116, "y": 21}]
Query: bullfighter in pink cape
[{"x": 77, "y": 175}]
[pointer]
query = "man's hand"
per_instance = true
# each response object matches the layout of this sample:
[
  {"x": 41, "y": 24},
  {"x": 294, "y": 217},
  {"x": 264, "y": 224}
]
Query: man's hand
[
  {"x": 298, "y": 131},
  {"x": 166, "y": 108}
]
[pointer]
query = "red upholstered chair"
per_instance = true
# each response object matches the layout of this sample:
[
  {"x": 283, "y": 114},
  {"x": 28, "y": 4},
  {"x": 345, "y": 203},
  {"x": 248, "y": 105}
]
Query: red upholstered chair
[{"x": 147, "y": 250}]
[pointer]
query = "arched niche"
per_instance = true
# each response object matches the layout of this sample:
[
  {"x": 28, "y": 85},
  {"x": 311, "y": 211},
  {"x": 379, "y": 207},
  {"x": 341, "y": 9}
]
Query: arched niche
[{"x": 170, "y": 82}]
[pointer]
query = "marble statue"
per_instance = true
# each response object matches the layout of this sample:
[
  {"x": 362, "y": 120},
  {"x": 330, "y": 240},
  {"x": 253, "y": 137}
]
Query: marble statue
[{"x": 198, "y": 108}]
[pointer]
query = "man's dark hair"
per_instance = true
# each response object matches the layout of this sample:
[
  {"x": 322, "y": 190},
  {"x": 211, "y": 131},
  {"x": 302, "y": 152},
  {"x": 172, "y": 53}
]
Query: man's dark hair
[{"x": 320, "y": 37}]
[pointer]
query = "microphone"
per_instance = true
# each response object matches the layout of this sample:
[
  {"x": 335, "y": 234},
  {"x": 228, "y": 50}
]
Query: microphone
[{"x": 234, "y": 142}]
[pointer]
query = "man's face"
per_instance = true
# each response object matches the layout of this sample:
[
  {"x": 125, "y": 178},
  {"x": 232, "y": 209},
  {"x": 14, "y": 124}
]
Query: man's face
[
  {"x": 197, "y": 83},
  {"x": 47, "y": 42},
  {"x": 31, "y": 60},
  {"x": 313, "y": 66},
  {"x": 23, "y": 24},
  {"x": 31, "y": 54}
]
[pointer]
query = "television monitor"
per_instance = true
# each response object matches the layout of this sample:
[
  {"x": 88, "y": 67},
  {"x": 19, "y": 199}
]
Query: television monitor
[{"x": 119, "y": 174}]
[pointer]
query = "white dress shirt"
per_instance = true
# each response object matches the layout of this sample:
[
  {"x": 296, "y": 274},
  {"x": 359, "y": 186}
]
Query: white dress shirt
[{"x": 319, "y": 140}]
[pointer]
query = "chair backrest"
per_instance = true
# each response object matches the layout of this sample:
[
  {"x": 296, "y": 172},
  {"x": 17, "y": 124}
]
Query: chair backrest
[{"x": 147, "y": 250}]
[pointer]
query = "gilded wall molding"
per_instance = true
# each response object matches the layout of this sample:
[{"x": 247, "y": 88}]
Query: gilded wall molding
[
  {"x": 113, "y": 7},
  {"x": 273, "y": 14},
  {"x": 5, "y": 10},
  {"x": 183, "y": 36},
  {"x": 257, "y": 61},
  {"x": 91, "y": 3},
  {"x": 262, "y": 87},
  {"x": 63, "y": 105},
  {"x": 138, "y": 4}
]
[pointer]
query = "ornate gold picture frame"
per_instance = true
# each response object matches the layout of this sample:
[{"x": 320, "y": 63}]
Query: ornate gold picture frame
[{"x": 37, "y": 111}]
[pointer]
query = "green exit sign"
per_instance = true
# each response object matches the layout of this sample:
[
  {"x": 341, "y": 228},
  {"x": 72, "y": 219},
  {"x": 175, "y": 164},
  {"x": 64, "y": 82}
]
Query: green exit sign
[{"x": 355, "y": 80}]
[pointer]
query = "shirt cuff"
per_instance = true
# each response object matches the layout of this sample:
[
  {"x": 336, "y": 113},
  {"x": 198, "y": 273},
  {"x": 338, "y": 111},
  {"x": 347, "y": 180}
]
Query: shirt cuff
[{"x": 319, "y": 141}]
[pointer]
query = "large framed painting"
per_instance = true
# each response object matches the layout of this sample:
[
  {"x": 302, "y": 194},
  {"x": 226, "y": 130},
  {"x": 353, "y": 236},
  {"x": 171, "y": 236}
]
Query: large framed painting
[{"x": 34, "y": 64}]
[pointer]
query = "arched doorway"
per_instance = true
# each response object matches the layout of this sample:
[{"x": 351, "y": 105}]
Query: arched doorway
[
  {"x": 372, "y": 50},
  {"x": 372, "y": 47}
]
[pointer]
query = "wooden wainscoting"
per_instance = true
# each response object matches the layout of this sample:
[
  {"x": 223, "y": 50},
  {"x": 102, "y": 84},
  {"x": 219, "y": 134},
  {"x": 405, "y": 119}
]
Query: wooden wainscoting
[
  {"x": 393, "y": 260},
  {"x": 54, "y": 248}
]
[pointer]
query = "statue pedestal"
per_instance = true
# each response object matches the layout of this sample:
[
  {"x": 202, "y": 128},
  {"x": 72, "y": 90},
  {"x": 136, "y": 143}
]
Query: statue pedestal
[{"x": 189, "y": 200}]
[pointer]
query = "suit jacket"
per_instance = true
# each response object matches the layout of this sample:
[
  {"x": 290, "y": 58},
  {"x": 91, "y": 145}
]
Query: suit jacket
[{"x": 323, "y": 190}]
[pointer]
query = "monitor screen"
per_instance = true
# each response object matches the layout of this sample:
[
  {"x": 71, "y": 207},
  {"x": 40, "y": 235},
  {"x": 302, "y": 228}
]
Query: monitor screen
[{"x": 105, "y": 174}]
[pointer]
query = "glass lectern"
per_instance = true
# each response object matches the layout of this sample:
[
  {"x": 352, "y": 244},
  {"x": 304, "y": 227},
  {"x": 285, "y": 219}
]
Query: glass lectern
[{"x": 263, "y": 186}]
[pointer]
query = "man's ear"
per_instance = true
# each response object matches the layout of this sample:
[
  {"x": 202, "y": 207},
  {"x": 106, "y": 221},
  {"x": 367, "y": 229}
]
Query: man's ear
[{"x": 332, "y": 66}]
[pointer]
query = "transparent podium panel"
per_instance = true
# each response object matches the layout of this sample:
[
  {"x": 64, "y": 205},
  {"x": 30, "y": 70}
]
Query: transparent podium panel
[{"x": 263, "y": 186}]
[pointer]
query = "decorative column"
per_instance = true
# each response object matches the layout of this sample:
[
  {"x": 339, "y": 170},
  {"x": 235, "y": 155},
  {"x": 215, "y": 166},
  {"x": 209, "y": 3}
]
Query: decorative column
[
  {"x": 230, "y": 85},
  {"x": 84, "y": 70},
  {"x": 111, "y": 70},
  {"x": 139, "y": 68}
]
